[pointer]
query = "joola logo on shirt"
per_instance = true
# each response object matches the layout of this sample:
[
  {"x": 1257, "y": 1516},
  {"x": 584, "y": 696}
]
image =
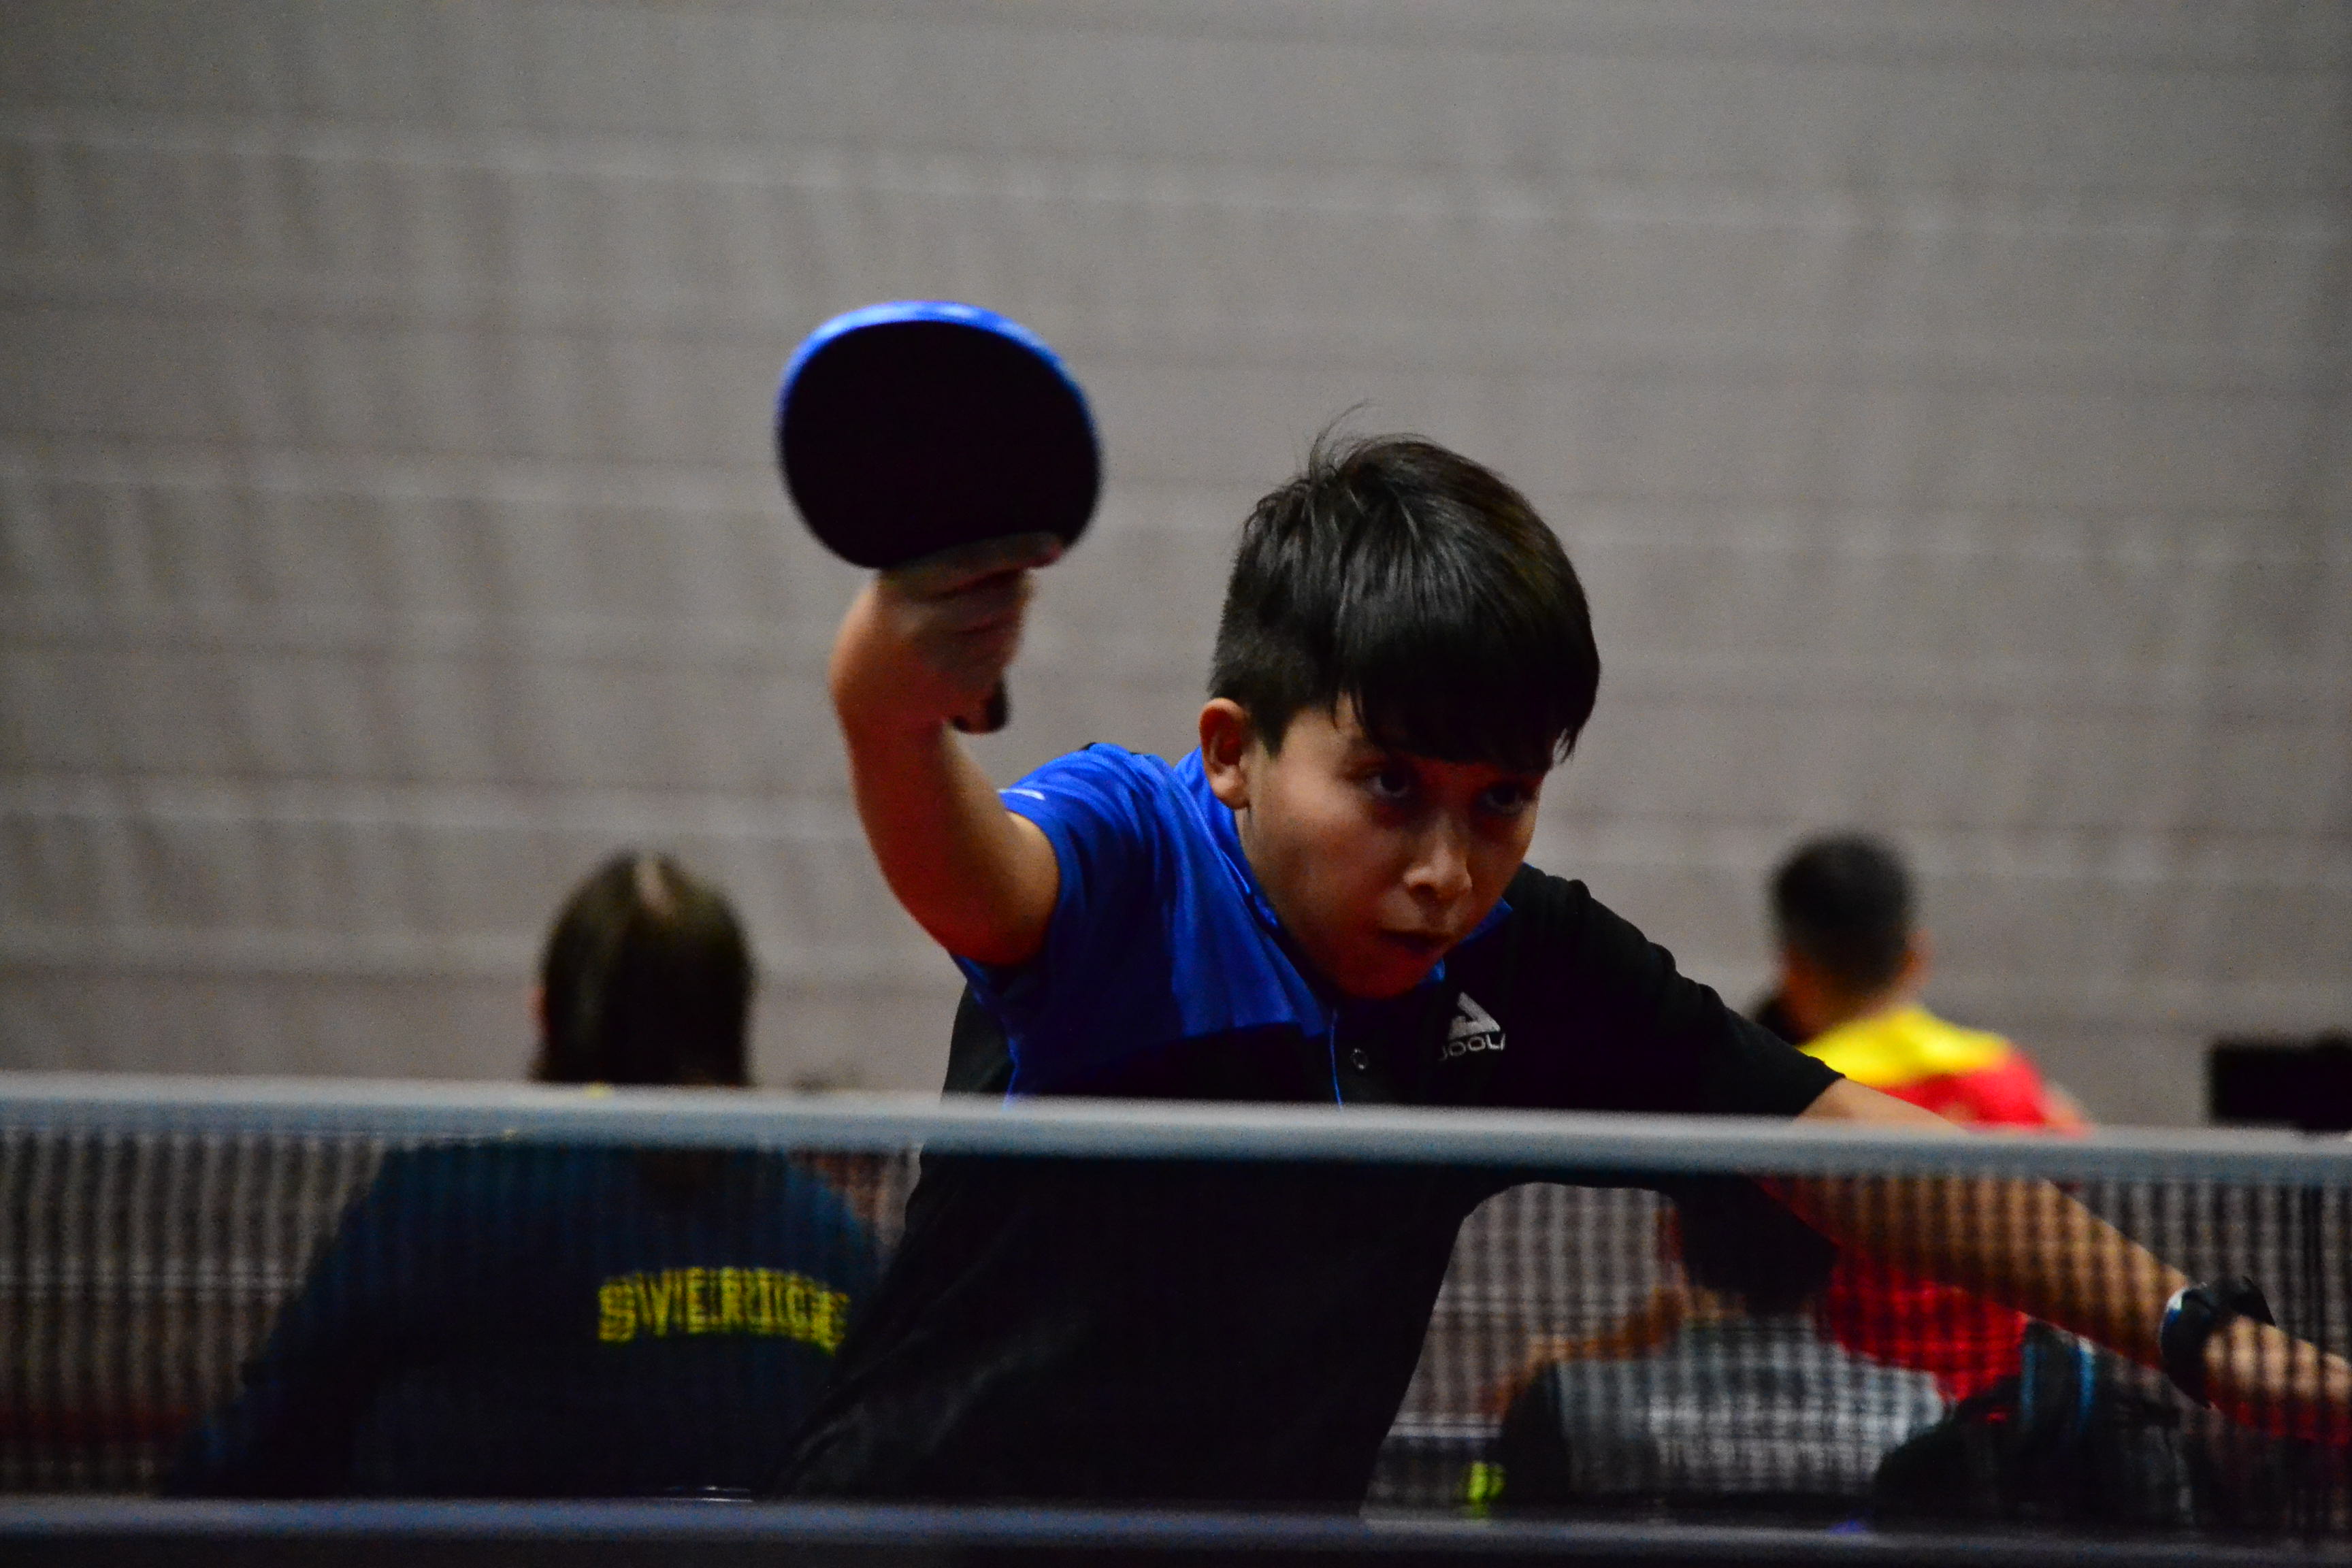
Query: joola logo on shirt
[{"x": 1473, "y": 1029}]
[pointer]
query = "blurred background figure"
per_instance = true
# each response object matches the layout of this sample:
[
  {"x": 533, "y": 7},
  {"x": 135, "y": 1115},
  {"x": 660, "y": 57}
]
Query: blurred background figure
[
  {"x": 2043, "y": 1426},
  {"x": 645, "y": 979},
  {"x": 1722, "y": 1386},
  {"x": 514, "y": 1320},
  {"x": 1767, "y": 1323},
  {"x": 1851, "y": 965}
]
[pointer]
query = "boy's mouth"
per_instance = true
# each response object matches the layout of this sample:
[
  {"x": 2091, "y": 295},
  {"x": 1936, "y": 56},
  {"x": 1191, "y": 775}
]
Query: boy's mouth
[{"x": 1420, "y": 944}]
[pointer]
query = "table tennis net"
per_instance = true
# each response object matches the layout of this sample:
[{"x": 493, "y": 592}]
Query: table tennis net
[{"x": 1597, "y": 1346}]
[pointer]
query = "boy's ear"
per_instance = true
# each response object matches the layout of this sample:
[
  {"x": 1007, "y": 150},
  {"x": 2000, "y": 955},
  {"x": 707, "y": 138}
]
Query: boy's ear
[{"x": 1226, "y": 734}]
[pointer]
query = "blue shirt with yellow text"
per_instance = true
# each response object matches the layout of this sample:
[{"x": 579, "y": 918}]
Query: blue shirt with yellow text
[{"x": 513, "y": 1320}]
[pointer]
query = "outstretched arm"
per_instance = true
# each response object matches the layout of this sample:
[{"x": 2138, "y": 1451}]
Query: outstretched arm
[
  {"x": 922, "y": 647},
  {"x": 2030, "y": 1246}
]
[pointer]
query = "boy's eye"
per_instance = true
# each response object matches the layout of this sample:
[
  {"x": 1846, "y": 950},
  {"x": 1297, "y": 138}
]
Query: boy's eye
[
  {"x": 1391, "y": 782},
  {"x": 1507, "y": 799}
]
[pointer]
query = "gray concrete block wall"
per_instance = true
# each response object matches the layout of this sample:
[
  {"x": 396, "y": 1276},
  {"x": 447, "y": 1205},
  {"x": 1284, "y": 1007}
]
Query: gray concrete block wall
[{"x": 1947, "y": 404}]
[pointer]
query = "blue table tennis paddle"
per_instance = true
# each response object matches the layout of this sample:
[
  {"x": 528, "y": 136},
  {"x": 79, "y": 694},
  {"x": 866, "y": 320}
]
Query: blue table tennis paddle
[{"x": 907, "y": 428}]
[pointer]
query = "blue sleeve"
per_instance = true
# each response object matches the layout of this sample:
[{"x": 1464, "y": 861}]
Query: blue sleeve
[{"x": 1104, "y": 811}]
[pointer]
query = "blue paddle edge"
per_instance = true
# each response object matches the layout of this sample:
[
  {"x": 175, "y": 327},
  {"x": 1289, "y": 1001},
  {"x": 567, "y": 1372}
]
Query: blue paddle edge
[{"x": 894, "y": 312}]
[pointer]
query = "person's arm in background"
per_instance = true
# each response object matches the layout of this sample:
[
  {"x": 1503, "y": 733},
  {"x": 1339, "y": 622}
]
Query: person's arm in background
[
  {"x": 2031, "y": 1248},
  {"x": 920, "y": 647},
  {"x": 1638, "y": 1334}
]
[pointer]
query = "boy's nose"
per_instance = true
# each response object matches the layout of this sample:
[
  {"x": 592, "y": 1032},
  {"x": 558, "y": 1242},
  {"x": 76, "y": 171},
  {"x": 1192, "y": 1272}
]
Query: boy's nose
[{"x": 1439, "y": 871}]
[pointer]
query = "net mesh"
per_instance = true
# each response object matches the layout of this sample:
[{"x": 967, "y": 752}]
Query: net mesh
[
  {"x": 1777, "y": 1414},
  {"x": 141, "y": 1274},
  {"x": 1581, "y": 1355}
]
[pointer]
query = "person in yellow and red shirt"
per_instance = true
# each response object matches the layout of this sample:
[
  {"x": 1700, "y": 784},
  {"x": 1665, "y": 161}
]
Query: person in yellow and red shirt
[
  {"x": 1851, "y": 964},
  {"x": 2033, "y": 1423}
]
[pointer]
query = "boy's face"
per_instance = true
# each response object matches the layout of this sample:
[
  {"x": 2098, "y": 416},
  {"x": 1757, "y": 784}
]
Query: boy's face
[{"x": 1377, "y": 861}]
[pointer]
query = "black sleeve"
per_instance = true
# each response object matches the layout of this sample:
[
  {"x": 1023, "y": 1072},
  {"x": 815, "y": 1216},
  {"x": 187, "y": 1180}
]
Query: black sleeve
[
  {"x": 1610, "y": 1023},
  {"x": 979, "y": 1060}
]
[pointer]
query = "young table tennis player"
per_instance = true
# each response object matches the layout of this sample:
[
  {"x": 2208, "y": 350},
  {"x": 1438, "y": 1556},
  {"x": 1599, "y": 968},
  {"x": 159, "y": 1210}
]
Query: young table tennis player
[{"x": 1326, "y": 902}]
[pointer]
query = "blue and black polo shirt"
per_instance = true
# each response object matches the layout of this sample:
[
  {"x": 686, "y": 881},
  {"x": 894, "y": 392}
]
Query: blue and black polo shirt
[{"x": 1207, "y": 1330}]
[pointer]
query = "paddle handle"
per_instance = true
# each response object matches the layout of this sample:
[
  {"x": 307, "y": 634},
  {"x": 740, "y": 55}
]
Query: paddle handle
[{"x": 993, "y": 714}]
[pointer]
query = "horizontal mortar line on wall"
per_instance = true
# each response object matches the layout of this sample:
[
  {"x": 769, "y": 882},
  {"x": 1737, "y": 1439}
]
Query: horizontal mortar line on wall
[
  {"x": 2120, "y": 1007},
  {"x": 2199, "y": 704},
  {"x": 1826, "y": 354},
  {"x": 2062, "y": 687},
  {"x": 2169, "y": 219},
  {"x": 1733, "y": 831},
  {"x": 1766, "y": 519},
  {"x": 2204, "y": 856},
  {"x": 299, "y": 624},
  {"x": 501, "y": 955},
  {"x": 1944, "y": 535},
  {"x": 655, "y": 816},
  {"x": 750, "y": 490},
  {"x": 1495, "y": 194},
  {"x": 2040, "y": 39},
  {"x": 2130, "y": 994},
  {"x": 2265, "y": 41},
  {"x": 2121, "y": 1000},
  {"x": 1870, "y": 37},
  {"x": 1522, "y": 348},
  {"x": 1827, "y": 359},
  {"x": 793, "y": 646},
  {"x": 230, "y": 468},
  {"x": 1795, "y": 692},
  {"x": 1500, "y": 201},
  {"x": 2130, "y": 858},
  {"x": 2156, "y": 547},
  {"x": 1968, "y": 675},
  {"x": 502, "y": 289},
  {"x": 2199, "y": 538},
  {"x": 2152, "y": 1003}
]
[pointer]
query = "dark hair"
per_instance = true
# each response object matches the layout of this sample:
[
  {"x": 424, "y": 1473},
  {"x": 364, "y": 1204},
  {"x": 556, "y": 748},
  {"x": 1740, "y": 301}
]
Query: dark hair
[
  {"x": 1422, "y": 587},
  {"x": 647, "y": 980},
  {"x": 1844, "y": 902}
]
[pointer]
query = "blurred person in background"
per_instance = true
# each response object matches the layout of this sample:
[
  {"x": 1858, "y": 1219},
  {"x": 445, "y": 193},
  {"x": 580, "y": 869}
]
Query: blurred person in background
[
  {"x": 1852, "y": 963},
  {"x": 1851, "y": 967},
  {"x": 1827, "y": 1343},
  {"x": 1723, "y": 1387},
  {"x": 2045, "y": 1426},
  {"x": 535, "y": 1319}
]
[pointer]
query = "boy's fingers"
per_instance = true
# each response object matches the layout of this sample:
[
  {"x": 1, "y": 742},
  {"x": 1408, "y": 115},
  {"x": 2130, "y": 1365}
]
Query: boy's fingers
[
  {"x": 990, "y": 716},
  {"x": 953, "y": 570},
  {"x": 984, "y": 602},
  {"x": 979, "y": 654}
]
